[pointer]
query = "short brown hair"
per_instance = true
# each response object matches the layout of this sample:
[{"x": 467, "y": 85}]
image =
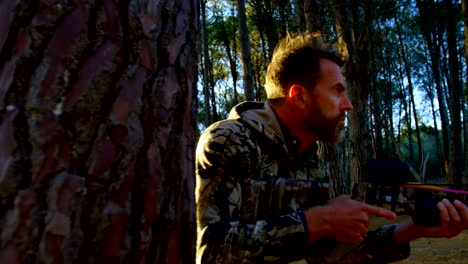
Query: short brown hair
[{"x": 296, "y": 60}]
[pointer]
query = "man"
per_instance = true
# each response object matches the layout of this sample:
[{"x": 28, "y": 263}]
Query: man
[{"x": 257, "y": 185}]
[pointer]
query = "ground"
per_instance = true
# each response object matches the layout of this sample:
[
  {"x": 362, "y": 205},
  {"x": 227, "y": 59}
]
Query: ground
[
  {"x": 438, "y": 250},
  {"x": 430, "y": 251}
]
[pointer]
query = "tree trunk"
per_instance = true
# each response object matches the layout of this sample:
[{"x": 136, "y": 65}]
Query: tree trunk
[
  {"x": 407, "y": 119},
  {"x": 231, "y": 58},
  {"x": 271, "y": 29},
  {"x": 437, "y": 139},
  {"x": 299, "y": 14},
  {"x": 411, "y": 93},
  {"x": 429, "y": 20},
  {"x": 388, "y": 112},
  {"x": 356, "y": 73},
  {"x": 465, "y": 111},
  {"x": 375, "y": 93},
  {"x": 206, "y": 66},
  {"x": 455, "y": 96},
  {"x": 329, "y": 158},
  {"x": 312, "y": 15},
  {"x": 282, "y": 6},
  {"x": 245, "y": 51},
  {"x": 97, "y": 131},
  {"x": 329, "y": 162}
]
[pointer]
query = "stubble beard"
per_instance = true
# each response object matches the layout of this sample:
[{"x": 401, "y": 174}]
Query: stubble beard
[
  {"x": 335, "y": 135},
  {"x": 329, "y": 130}
]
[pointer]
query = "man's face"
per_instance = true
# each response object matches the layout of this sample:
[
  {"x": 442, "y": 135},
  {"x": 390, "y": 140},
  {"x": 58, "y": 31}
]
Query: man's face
[{"x": 327, "y": 104}]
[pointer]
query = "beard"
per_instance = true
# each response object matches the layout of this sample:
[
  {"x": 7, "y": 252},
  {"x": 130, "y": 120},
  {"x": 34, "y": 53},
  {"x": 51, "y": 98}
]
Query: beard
[{"x": 328, "y": 128}]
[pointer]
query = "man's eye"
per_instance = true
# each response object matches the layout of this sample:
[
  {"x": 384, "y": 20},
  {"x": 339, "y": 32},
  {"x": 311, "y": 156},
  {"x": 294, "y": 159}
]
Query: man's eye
[{"x": 340, "y": 89}]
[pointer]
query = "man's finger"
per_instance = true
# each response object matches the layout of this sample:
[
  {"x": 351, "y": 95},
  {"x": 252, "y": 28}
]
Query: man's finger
[
  {"x": 379, "y": 211},
  {"x": 462, "y": 208},
  {"x": 453, "y": 213},
  {"x": 444, "y": 215},
  {"x": 463, "y": 211}
]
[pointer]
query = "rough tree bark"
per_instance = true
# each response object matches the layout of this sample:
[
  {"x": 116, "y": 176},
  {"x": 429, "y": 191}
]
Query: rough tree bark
[{"x": 97, "y": 131}]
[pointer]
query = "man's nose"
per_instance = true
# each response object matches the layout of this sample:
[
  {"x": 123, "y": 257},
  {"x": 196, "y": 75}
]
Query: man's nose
[{"x": 346, "y": 104}]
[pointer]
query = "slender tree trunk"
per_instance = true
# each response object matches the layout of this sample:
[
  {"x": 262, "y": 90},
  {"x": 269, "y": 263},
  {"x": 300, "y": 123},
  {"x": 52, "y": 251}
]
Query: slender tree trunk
[
  {"x": 465, "y": 110},
  {"x": 378, "y": 122},
  {"x": 388, "y": 99},
  {"x": 300, "y": 16},
  {"x": 312, "y": 15},
  {"x": 232, "y": 60},
  {"x": 455, "y": 166},
  {"x": 390, "y": 130},
  {"x": 374, "y": 89},
  {"x": 245, "y": 51},
  {"x": 234, "y": 49},
  {"x": 97, "y": 131},
  {"x": 214, "y": 108},
  {"x": 206, "y": 66},
  {"x": 262, "y": 25},
  {"x": 407, "y": 118},
  {"x": 329, "y": 162},
  {"x": 437, "y": 138},
  {"x": 271, "y": 29},
  {"x": 410, "y": 91},
  {"x": 428, "y": 13},
  {"x": 282, "y": 10}
]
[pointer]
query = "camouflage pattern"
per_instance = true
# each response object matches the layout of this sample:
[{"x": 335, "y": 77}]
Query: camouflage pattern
[{"x": 252, "y": 189}]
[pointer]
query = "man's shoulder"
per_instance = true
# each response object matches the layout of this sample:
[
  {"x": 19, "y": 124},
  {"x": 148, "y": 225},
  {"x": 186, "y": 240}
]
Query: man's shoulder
[
  {"x": 229, "y": 132},
  {"x": 227, "y": 137},
  {"x": 228, "y": 127}
]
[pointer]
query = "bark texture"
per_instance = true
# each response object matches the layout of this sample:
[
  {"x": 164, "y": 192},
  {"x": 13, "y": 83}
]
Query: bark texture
[{"x": 97, "y": 131}]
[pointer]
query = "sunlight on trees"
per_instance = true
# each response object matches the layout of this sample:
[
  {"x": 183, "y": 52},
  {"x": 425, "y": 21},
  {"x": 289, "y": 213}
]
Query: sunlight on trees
[{"x": 407, "y": 105}]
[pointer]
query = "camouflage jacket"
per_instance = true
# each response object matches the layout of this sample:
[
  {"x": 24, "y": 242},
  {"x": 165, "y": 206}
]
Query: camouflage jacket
[{"x": 252, "y": 190}]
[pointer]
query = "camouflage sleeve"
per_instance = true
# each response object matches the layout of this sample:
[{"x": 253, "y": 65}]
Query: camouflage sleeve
[
  {"x": 225, "y": 160},
  {"x": 377, "y": 247}
]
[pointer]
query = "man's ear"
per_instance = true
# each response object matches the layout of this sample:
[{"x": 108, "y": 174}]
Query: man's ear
[{"x": 296, "y": 95}]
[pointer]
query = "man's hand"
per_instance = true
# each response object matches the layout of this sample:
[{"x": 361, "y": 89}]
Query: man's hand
[
  {"x": 342, "y": 219},
  {"x": 453, "y": 220}
]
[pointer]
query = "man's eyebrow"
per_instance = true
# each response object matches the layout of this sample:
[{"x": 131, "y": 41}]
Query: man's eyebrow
[{"x": 341, "y": 85}]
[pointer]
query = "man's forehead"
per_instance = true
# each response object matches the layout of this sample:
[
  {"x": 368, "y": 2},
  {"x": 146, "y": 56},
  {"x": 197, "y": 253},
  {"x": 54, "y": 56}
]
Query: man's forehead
[{"x": 331, "y": 70}]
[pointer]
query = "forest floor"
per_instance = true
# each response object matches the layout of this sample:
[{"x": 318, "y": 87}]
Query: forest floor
[
  {"x": 437, "y": 250},
  {"x": 427, "y": 250}
]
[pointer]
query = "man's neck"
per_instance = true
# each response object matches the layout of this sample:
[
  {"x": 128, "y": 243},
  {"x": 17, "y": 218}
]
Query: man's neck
[{"x": 290, "y": 118}]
